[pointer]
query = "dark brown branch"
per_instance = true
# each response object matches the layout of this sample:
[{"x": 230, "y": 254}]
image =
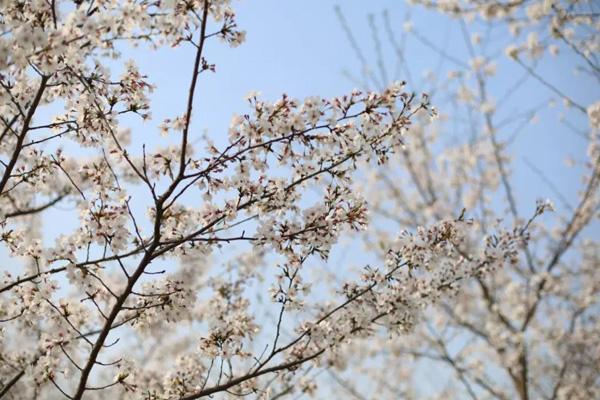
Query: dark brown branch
[{"x": 19, "y": 145}]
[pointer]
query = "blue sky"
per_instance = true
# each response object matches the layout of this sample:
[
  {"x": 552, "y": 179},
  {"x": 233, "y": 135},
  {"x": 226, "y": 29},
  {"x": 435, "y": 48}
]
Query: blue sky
[{"x": 300, "y": 49}]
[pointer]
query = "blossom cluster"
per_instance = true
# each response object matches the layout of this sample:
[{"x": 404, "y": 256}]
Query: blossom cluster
[{"x": 83, "y": 311}]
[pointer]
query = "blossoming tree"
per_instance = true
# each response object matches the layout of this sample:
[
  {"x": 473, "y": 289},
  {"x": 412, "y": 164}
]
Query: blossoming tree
[
  {"x": 529, "y": 331},
  {"x": 127, "y": 301}
]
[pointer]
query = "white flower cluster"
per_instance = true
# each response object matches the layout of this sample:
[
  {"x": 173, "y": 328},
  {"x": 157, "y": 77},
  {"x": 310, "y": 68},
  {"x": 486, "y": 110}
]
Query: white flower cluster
[{"x": 593, "y": 112}]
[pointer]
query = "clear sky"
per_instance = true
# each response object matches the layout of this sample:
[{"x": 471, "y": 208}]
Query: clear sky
[{"x": 299, "y": 48}]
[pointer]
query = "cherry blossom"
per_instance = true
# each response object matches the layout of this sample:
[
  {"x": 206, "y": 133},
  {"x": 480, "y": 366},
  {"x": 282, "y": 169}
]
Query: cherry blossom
[
  {"x": 527, "y": 330},
  {"x": 156, "y": 283}
]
